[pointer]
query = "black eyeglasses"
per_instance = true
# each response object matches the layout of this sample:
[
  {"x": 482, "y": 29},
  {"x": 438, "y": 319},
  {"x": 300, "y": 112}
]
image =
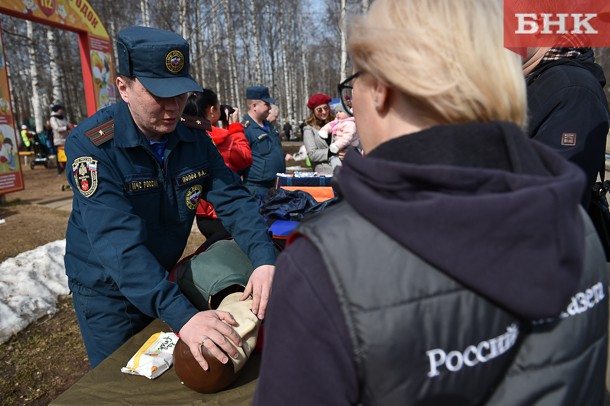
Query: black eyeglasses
[{"x": 345, "y": 91}]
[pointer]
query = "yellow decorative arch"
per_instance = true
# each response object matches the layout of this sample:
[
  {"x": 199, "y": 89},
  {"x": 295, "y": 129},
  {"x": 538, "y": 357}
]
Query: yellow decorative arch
[{"x": 96, "y": 59}]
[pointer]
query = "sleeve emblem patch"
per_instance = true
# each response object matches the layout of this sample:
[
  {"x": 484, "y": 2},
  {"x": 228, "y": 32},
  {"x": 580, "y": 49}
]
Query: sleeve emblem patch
[
  {"x": 192, "y": 196},
  {"x": 84, "y": 171}
]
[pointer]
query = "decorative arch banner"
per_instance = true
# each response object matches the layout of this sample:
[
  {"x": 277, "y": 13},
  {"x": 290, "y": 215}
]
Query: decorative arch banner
[
  {"x": 97, "y": 68},
  {"x": 11, "y": 179}
]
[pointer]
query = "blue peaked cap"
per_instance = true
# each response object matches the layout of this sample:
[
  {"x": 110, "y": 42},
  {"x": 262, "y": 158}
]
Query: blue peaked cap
[
  {"x": 259, "y": 93},
  {"x": 158, "y": 58}
]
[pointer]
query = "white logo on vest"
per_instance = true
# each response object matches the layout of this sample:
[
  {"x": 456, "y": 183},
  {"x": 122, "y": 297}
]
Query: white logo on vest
[{"x": 473, "y": 354}]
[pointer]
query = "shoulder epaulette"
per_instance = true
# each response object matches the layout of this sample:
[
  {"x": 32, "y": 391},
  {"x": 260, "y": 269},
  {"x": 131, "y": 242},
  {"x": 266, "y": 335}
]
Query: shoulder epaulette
[
  {"x": 102, "y": 133},
  {"x": 196, "y": 122}
]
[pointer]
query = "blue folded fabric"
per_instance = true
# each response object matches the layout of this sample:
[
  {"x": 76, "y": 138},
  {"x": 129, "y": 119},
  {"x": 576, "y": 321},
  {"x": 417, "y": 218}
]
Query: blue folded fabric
[{"x": 283, "y": 228}]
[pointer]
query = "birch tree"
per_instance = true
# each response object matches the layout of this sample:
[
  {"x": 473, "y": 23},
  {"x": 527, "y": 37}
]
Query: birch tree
[
  {"x": 56, "y": 92},
  {"x": 343, "y": 47},
  {"x": 183, "y": 19},
  {"x": 271, "y": 45},
  {"x": 284, "y": 58},
  {"x": 233, "y": 86},
  {"x": 34, "y": 77},
  {"x": 145, "y": 13},
  {"x": 304, "y": 60},
  {"x": 215, "y": 40},
  {"x": 282, "y": 44},
  {"x": 293, "y": 61},
  {"x": 200, "y": 46},
  {"x": 246, "y": 37},
  {"x": 256, "y": 43}
]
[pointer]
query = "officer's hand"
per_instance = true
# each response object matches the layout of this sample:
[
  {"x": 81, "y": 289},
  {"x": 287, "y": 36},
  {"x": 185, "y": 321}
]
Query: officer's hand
[
  {"x": 259, "y": 285},
  {"x": 210, "y": 329},
  {"x": 233, "y": 118}
]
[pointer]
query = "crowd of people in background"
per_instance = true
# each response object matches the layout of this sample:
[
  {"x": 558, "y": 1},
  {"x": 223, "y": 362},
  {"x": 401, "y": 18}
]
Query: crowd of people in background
[
  {"x": 49, "y": 143},
  {"x": 323, "y": 153}
]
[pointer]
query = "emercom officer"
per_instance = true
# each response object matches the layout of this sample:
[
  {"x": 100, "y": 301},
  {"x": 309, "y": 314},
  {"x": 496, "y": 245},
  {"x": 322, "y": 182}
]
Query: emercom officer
[
  {"x": 138, "y": 171},
  {"x": 267, "y": 154}
]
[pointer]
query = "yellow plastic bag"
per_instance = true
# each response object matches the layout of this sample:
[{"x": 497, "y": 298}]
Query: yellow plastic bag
[{"x": 61, "y": 155}]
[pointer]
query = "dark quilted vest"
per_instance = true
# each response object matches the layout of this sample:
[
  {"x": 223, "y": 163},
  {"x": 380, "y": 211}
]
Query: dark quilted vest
[{"x": 420, "y": 337}]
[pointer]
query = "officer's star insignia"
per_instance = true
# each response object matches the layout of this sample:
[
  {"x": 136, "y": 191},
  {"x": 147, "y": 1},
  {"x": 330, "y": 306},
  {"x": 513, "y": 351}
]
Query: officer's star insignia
[
  {"x": 182, "y": 119},
  {"x": 101, "y": 133},
  {"x": 199, "y": 122}
]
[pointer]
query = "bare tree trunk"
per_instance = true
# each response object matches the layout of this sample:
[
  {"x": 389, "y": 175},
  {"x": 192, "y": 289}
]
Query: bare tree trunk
[
  {"x": 114, "y": 48},
  {"x": 14, "y": 94},
  {"x": 183, "y": 19},
  {"x": 283, "y": 49},
  {"x": 233, "y": 87},
  {"x": 257, "y": 46},
  {"x": 215, "y": 45},
  {"x": 304, "y": 61},
  {"x": 201, "y": 71},
  {"x": 34, "y": 77},
  {"x": 284, "y": 56},
  {"x": 145, "y": 13},
  {"x": 247, "y": 38},
  {"x": 343, "y": 47},
  {"x": 270, "y": 46},
  {"x": 292, "y": 67},
  {"x": 56, "y": 92}
]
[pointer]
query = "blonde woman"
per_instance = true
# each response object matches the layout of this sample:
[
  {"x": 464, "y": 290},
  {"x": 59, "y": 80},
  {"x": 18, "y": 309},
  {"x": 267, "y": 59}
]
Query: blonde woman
[{"x": 459, "y": 267}]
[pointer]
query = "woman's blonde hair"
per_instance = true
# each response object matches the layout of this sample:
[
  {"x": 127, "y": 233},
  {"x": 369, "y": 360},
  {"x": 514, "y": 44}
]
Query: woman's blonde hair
[{"x": 445, "y": 57}]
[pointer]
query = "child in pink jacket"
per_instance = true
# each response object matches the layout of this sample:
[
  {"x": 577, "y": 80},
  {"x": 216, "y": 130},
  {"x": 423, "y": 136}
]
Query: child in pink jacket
[{"x": 343, "y": 130}]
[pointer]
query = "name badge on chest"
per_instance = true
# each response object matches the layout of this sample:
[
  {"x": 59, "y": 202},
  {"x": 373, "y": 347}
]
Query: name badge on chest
[
  {"x": 141, "y": 185},
  {"x": 190, "y": 177}
]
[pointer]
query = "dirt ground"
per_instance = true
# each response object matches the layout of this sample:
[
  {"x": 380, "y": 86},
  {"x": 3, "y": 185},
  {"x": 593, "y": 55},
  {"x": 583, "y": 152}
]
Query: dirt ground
[{"x": 46, "y": 358}]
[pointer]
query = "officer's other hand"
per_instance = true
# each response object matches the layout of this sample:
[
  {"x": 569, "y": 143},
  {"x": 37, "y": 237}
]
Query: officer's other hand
[
  {"x": 259, "y": 285},
  {"x": 212, "y": 329},
  {"x": 233, "y": 118}
]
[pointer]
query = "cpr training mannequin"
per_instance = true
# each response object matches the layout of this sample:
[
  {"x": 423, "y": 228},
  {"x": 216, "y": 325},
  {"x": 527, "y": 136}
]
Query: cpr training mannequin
[
  {"x": 215, "y": 279},
  {"x": 343, "y": 130}
]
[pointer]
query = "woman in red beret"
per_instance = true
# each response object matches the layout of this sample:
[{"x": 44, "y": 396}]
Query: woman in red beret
[{"x": 316, "y": 146}]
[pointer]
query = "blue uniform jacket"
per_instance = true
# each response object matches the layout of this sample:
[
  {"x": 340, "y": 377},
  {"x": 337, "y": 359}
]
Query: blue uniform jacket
[
  {"x": 124, "y": 237},
  {"x": 267, "y": 153}
]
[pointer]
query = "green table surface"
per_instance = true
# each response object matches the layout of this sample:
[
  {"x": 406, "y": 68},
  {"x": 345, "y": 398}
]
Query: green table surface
[{"x": 106, "y": 384}]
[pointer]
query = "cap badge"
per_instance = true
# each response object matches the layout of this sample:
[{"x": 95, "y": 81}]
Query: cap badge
[{"x": 174, "y": 61}]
